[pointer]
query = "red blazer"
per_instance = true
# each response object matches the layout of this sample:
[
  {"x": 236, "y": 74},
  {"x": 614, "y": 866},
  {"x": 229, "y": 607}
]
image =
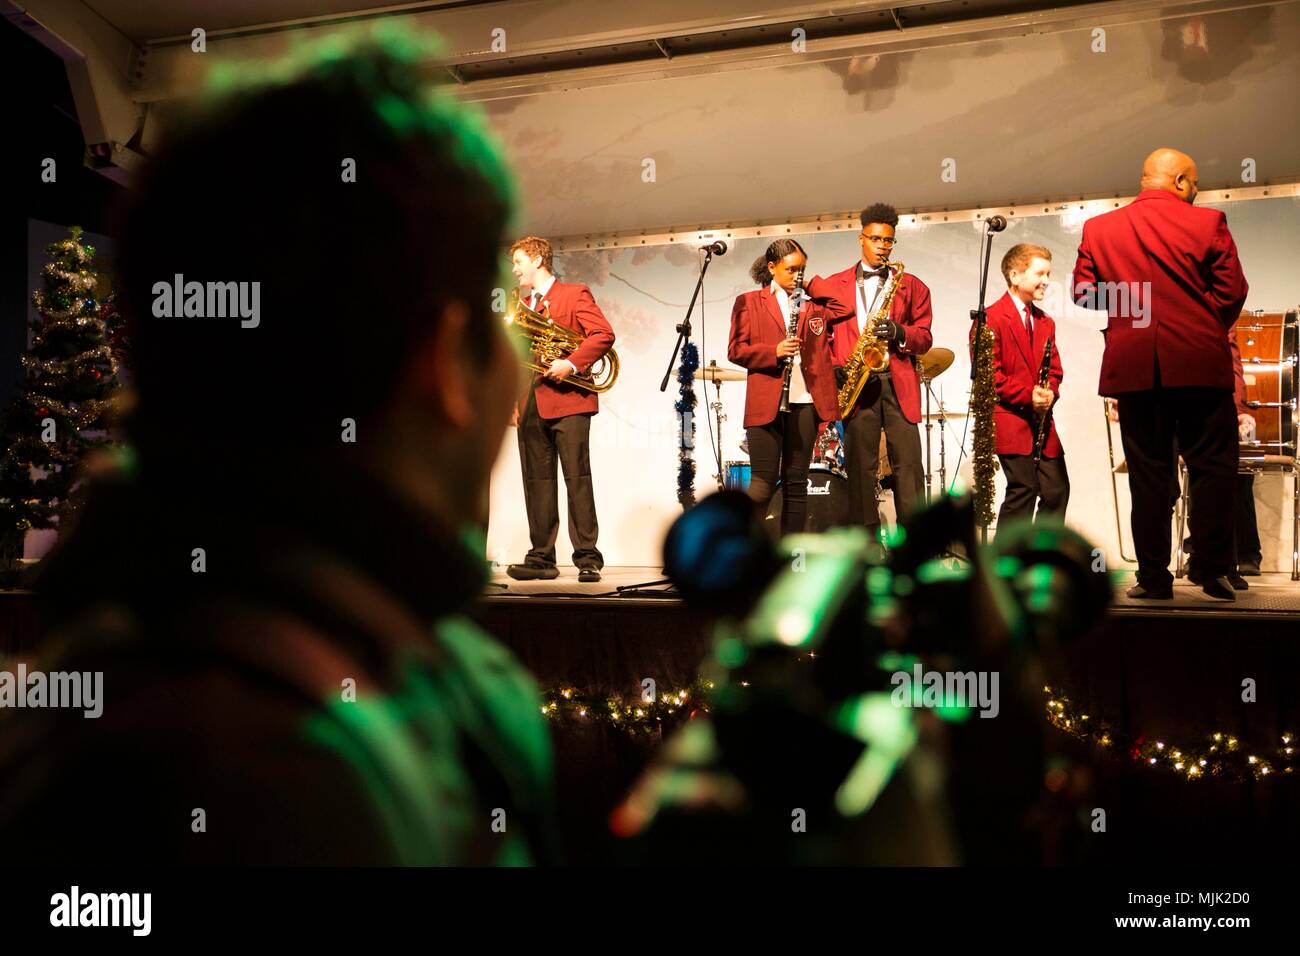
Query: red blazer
[
  {"x": 757, "y": 326},
  {"x": 911, "y": 309},
  {"x": 571, "y": 304},
  {"x": 1016, "y": 362},
  {"x": 1197, "y": 291}
]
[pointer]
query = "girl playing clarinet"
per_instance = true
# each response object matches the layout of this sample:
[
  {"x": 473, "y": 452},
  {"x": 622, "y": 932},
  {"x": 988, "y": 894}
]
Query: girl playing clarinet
[{"x": 787, "y": 352}]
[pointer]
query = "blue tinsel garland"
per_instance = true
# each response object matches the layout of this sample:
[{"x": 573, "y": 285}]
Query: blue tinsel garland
[{"x": 685, "y": 406}]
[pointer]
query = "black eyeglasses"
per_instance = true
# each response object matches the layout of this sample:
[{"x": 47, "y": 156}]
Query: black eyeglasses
[{"x": 880, "y": 240}]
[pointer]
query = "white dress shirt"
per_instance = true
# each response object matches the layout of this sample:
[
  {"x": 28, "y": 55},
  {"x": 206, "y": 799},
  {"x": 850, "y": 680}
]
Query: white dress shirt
[
  {"x": 539, "y": 293},
  {"x": 799, "y": 394}
]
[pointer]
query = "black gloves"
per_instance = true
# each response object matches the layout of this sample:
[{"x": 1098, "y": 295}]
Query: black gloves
[
  {"x": 890, "y": 331},
  {"x": 841, "y": 376}
]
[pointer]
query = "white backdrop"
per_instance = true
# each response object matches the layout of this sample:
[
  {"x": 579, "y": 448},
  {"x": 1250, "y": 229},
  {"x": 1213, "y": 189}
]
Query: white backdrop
[{"x": 644, "y": 293}]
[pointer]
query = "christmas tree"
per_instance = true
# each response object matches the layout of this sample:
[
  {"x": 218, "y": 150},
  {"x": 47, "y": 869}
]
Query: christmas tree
[{"x": 61, "y": 410}]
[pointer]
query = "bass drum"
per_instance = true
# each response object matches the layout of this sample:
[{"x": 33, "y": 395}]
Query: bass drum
[
  {"x": 1270, "y": 360},
  {"x": 828, "y": 502}
]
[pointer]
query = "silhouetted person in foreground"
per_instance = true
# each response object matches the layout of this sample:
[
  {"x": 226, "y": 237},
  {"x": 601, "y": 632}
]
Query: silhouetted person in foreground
[{"x": 273, "y": 582}]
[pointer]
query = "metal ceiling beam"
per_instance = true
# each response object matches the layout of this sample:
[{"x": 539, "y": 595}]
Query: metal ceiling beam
[
  {"x": 1081, "y": 208},
  {"x": 101, "y": 65}
]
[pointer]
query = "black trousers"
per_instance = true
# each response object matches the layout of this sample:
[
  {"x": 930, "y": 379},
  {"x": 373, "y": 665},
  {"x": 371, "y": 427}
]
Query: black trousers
[
  {"x": 1203, "y": 422},
  {"x": 543, "y": 442},
  {"x": 1045, "y": 486},
  {"x": 878, "y": 409},
  {"x": 783, "y": 447}
]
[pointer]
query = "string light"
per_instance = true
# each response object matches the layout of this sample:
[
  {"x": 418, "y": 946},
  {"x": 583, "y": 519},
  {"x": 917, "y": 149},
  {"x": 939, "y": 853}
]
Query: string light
[
  {"x": 1221, "y": 757},
  {"x": 635, "y": 715}
]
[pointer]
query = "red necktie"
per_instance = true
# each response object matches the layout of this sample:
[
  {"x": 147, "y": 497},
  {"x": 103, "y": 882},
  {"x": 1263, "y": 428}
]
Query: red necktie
[{"x": 1029, "y": 325}]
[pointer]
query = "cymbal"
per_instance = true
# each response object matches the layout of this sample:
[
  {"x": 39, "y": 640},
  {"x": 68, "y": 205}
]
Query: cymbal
[
  {"x": 720, "y": 373},
  {"x": 935, "y": 362},
  {"x": 952, "y": 413}
]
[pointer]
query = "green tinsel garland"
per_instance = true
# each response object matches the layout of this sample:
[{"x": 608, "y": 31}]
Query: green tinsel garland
[
  {"x": 1218, "y": 755},
  {"x": 983, "y": 398},
  {"x": 633, "y": 716}
]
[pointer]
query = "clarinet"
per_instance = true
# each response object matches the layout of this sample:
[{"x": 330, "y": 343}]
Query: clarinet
[
  {"x": 1043, "y": 370},
  {"x": 797, "y": 299}
]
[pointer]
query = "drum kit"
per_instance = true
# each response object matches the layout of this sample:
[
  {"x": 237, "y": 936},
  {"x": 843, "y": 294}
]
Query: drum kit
[{"x": 828, "y": 504}]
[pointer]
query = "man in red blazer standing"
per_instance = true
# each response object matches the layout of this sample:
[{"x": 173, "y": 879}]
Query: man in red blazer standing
[
  {"x": 554, "y": 420},
  {"x": 1168, "y": 276},
  {"x": 1021, "y": 332},
  {"x": 891, "y": 399}
]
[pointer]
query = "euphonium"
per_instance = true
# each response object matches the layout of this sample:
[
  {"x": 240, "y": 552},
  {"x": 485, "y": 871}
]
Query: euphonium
[
  {"x": 870, "y": 354},
  {"x": 549, "y": 341}
]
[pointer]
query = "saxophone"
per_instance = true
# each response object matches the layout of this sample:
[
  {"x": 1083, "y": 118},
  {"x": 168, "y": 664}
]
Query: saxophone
[{"x": 871, "y": 354}]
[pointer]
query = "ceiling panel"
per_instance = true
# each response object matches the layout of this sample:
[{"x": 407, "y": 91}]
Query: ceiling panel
[{"x": 1023, "y": 120}]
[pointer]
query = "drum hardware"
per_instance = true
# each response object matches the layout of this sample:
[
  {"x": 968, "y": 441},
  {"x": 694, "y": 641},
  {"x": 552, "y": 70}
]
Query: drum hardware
[
  {"x": 929, "y": 367},
  {"x": 713, "y": 372},
  {"x": 1120, "y": 469},
  {"x": 717, "y": 374},
  {"x": 942, "y": 419}
]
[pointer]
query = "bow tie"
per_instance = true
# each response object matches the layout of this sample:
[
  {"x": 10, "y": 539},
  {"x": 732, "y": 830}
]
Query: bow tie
[{"x": 883, "y": 270}]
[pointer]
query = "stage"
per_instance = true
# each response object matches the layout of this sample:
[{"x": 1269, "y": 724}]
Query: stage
[{"x": 1271, "y": 594}]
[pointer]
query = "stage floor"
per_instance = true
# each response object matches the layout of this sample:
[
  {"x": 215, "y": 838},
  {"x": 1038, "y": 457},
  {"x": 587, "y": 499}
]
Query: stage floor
[
  {"x": 1270, "y": 594},
  {"x": 567, "y": 585}
]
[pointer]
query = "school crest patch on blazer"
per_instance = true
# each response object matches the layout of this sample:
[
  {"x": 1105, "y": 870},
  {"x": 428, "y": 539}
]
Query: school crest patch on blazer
[{"x": 816, "y": 325}]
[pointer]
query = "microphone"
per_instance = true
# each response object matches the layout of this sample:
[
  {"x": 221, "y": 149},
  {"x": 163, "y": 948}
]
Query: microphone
[
  {"x": 996, "y": 223},
  {"x": 717, "y": 248}
]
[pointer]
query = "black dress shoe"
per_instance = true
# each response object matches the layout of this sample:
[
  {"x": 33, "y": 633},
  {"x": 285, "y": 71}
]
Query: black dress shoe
[
  {"x": 1218, "y": 588},
  {"x": 533, "y": 572},
  {"x": 588, "y": 575},
  {"x": 1235, "y": 581},
  {"x": 1248, "y": 569},
  {"x": 1151, "y": 593}
]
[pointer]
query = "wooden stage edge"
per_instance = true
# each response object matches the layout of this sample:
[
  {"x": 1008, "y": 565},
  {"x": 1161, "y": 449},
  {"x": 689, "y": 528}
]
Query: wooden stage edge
[{"x": 1272, "y": 596}]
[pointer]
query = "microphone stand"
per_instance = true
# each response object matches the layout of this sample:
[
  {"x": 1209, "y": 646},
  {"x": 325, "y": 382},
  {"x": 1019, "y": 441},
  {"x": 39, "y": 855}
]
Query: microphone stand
[
  {"x": 683, "y": 336},
  {"x": 978, "y": 315},
  {"x": 684, "y": 327}
]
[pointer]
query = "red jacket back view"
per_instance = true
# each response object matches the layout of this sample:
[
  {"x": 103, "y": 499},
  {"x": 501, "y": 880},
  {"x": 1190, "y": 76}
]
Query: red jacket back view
[{"x": 1168, "y": 275}]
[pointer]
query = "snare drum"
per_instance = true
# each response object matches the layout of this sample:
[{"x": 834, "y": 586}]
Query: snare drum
[
  {"x": 1269, "y": 355},
  {"x": 735, "y": 476}
]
